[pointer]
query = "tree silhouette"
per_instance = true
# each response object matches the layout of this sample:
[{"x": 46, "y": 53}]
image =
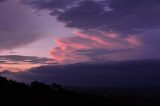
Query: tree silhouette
[{"x": 40, "y": 94}]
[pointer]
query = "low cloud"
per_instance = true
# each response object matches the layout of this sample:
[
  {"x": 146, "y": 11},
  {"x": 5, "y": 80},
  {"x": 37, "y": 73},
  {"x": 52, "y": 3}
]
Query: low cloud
[
  {"x": 15, "y": 59},
  {"x": 138, "y": 73},
  {"x": 16, "y": 63}
]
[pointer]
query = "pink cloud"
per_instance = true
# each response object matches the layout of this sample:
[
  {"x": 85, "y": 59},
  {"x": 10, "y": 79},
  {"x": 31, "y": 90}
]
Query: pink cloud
[
  {"x": 111, "y": 40},
  {"x": 70, "y": 49},
  {"x": 134, "y": 40}
]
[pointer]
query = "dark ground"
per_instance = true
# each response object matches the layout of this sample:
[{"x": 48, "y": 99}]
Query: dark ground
[{"x": 39, "y": 94}]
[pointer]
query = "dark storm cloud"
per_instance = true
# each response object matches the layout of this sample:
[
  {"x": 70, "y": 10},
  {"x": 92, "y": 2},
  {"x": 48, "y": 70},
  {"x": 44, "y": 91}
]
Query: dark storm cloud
[
  {"x": 123, "y": 16},
  {"x": 15, "y": 59},
  {"x": 128, "y": 73}
]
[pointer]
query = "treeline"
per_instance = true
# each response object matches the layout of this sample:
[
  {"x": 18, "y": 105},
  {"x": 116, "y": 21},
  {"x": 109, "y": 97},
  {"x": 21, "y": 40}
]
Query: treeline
[{"x": 40, "y": 94}]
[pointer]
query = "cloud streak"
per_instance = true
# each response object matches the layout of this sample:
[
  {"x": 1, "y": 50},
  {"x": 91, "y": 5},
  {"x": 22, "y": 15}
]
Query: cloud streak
[
  {"x": 15, "y": 63},
  {"x": 91, "y": 47},
  {"x": 29, "y": 59}
]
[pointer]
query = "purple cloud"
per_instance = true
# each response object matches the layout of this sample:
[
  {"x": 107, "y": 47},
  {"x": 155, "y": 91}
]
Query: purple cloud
[
  {"x": 136, "y": 21},
  {"x": 125, "y": 16},
  {"x": 91, "y": 47}
]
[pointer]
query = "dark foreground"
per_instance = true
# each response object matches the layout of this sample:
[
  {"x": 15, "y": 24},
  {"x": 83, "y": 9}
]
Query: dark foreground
[{"x": 38, "y": 94}]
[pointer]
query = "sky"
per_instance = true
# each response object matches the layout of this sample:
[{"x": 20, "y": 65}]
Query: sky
[{"x": 35, "y": 33}]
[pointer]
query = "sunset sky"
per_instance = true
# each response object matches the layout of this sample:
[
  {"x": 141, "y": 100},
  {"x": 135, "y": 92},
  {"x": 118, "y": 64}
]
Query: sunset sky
[{"x": 57, "y": 32}]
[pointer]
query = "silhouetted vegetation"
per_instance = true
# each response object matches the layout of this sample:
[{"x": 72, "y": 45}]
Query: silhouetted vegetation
[{"x": 40, "y": 94}]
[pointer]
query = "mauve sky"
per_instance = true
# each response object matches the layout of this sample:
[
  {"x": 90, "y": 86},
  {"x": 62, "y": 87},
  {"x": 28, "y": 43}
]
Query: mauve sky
[{"x": 49, "y": 32}]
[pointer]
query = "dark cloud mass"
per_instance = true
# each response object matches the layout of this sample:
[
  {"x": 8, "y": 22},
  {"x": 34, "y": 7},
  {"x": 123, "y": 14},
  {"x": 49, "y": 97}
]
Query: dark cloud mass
[
  {"x": 123, "y": 16},
  {"x": 128, "y": 73}
]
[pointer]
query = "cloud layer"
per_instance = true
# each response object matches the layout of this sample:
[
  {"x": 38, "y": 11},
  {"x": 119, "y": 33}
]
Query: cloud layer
[
  {"x": 18, "y": 58},
  {"x": 125, "y": 16},
  {"x": 106, "y": 26},
  {"x": 93, "y": 46},
  {"x": 15, "y": 63},
  {"x": 111, "y": 74}
]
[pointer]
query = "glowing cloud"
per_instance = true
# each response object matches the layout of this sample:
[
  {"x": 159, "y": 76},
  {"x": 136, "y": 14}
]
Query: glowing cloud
[{"x": 85, "y": 46}]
